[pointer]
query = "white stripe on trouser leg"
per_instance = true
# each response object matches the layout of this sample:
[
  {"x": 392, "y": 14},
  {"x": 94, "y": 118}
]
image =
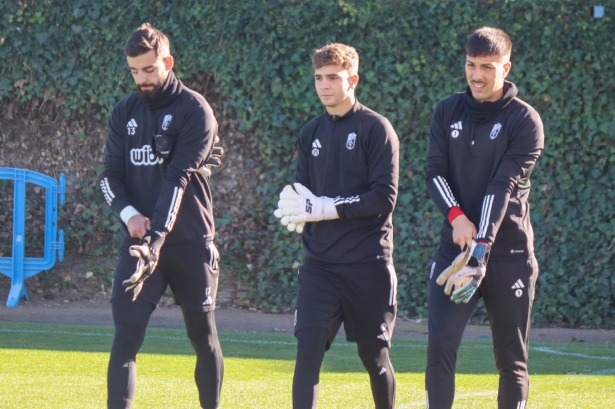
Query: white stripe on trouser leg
[
  {"x": 485, "y": 216},
  {"x": 427, "y": 399},
  {"x": 521, "y": 404},
  {"x": 393, "y": 280}
]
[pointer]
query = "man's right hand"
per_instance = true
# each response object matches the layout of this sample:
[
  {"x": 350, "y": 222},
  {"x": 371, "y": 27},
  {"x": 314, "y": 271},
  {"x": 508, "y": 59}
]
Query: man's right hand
[
  {"x": 138, "y": 225},
  {"x": 463, "y": 231}
]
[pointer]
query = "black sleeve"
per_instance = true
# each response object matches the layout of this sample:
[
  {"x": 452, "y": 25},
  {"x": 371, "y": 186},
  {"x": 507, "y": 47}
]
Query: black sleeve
[
  {"x": 438, "y": 171},
  {"x": 114, "y": 170},
  {"x": 524, "y": 148},
  {"x": 195, "y": 141},
  {"x": 383, "y": 164},
  {"x": 302, "y": 173}
]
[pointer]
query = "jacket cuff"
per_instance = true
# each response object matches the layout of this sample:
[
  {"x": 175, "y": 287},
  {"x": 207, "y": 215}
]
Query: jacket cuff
[
  {"x": 127, "y": 213},
  {"x": 454, "y": 213}
]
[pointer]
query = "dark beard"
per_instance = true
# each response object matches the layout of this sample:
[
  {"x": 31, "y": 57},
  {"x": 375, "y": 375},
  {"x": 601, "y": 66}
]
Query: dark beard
[{"x": 149, "y": 95}]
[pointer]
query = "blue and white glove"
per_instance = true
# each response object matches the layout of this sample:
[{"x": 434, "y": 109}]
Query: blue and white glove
[
  {"x": 147, "y": 252},
  {"x": 466, "y": 273}
]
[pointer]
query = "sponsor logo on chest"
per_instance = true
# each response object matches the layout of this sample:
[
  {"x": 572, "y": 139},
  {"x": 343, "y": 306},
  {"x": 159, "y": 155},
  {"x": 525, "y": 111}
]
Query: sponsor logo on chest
[
  {"x": 131, "y": 127},
  {"x": 144, "y": 156},
  {"x": 456, "y": 127},
  {"x": 316, "y": 147}
]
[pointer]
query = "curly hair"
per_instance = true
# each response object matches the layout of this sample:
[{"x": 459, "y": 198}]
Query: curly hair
[{"x": 337, "y": 54}]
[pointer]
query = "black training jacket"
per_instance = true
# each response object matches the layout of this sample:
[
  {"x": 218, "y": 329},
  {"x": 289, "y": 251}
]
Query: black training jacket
[
  {"x": 480, "y": 159},
  {"x": 354, "y": 159},
  {"x": 160, "y": 178}
]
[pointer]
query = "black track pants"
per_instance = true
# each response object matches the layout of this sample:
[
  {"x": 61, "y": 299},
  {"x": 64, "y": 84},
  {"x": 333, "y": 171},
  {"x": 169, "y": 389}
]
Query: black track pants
[
  {"x": 508, "y": 293},
  {"x": 131, "y": 320},
  {"x": 311, "y": 348},
  {"x": 376, "y": 360},
  {"x": 312, "y": 343},
  {"x": 209, "y": 370}
]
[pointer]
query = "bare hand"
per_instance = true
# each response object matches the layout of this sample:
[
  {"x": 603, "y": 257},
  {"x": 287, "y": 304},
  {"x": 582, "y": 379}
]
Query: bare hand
[
  {"x": 138, "y": 225},
  {"x": 463, "y": 231}
]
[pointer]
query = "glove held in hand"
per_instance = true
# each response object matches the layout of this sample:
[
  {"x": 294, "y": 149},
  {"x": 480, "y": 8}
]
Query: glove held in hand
[{"x": 147, "y": 253}]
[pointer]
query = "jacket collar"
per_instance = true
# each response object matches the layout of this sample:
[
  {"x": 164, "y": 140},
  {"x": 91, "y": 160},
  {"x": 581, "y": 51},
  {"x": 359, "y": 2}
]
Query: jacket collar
[
  {"x": 170, "y": 90},
  {"x": 482, "y": 112}
]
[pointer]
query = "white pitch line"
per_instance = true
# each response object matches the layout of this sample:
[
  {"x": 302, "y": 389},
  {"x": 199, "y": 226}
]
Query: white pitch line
[
  {"x": 268, "y": 342},
  {"x": 602, "y": 372},
  {"x": 584, "y": 356},
  {"x": 421, "y": 404}
]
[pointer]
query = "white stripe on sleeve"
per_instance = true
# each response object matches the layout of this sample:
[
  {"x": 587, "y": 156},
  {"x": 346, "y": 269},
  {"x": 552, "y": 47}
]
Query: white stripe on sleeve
[
  {"x": 445, "y": 191},
  {"x": 174, "y": 208},
  {"x": 107, "y": 192},
  {"x": 485, "y": 216}
]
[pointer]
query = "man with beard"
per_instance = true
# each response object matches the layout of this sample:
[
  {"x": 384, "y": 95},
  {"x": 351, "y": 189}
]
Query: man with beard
[
  {"x": 160, "y": 142},
  {"x": 483, "y": 146}
]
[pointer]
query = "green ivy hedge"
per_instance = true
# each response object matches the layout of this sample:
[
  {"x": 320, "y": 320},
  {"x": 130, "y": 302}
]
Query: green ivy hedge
[{"x": 412, "y": 55}]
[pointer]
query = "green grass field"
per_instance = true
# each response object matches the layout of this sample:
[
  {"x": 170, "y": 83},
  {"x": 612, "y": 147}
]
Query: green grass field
[{"x": 53, "y": 366}]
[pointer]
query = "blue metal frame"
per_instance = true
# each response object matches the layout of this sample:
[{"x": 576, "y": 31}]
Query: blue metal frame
[{"x": 18, "y": 267}]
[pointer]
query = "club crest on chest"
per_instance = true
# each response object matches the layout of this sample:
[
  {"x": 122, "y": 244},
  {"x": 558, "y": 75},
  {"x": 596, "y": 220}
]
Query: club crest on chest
[
  {"x": 495, "y": 131},
  {"x": 351, "y": 140},
  {"x": 166, "y": 121}
]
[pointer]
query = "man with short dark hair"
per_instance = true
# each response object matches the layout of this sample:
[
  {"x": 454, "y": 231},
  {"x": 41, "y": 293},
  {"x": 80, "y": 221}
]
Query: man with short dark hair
[
  {"x": 160, "y": 142},
  {"x": 344, "y": 195},
  {"x": 483, "y": 146}
]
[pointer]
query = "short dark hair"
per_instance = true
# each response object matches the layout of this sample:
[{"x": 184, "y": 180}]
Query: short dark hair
[
  {"x": 337, "y": 54},
  {"x": 145, "y": 39},
  {"x": 488, "y": 41}
]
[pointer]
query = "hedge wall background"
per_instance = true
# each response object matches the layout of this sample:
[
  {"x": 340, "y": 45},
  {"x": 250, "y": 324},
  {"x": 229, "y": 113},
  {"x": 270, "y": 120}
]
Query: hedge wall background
[{"x": 64, "y": 60}]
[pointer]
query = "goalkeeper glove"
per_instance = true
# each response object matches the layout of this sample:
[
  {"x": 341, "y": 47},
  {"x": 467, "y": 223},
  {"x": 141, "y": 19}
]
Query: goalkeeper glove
[
  {"x": 215, "y": 159},
  {"x": 303, "y": 206},
  {"x": 288, "y": 191},
  {"x": 465, "y": 273},
  {"x": 147, "y": 253}
]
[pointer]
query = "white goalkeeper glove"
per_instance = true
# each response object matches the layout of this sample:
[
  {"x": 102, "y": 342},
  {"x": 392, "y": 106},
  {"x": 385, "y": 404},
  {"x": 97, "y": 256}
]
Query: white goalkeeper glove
[
  {"x": 303, "y": 206},
  {"x": 288, "y": 191},
  {"x": 465, "y": 273}
]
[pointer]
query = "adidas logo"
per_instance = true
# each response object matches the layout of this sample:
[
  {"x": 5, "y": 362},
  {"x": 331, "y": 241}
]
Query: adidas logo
[
  {"x": 456, "y": 128},
  {"x": 382, "y": 370},
  {"x": 385, "y": 335},
  {"x": 518, "y": 288},
  {"x": 518, "y": 284},
  {"x": 315, "y": 146},
  {"x": 131, "y": 126}
]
